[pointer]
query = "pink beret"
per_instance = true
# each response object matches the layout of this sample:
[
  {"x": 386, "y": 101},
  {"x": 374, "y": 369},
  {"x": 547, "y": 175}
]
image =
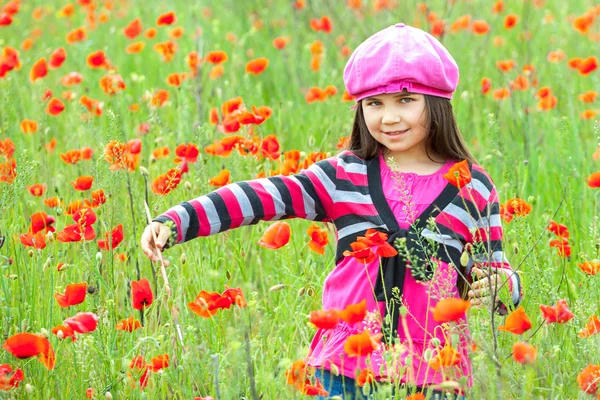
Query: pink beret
[{"x": 397, "y": 58}]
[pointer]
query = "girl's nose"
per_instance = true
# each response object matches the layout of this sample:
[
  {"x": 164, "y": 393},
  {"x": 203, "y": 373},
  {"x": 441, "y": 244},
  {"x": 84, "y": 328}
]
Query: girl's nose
[{"x": 390, "y": 117}]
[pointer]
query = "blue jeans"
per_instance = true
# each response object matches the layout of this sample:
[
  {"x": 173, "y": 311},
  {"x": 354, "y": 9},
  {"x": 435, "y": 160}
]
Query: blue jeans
[{"x": 347, "y": 388}]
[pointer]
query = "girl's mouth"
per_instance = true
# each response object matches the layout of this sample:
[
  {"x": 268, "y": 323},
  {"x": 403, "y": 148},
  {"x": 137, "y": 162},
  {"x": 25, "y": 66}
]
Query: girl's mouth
[{"x": 396, "y": 133}]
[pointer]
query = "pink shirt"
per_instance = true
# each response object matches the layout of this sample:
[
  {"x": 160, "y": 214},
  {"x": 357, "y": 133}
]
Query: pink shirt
[{"x": 407, "y": 194}]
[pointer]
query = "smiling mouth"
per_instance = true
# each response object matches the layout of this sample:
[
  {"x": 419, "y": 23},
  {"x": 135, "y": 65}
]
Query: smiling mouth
[{"x": 396, "y": 133}]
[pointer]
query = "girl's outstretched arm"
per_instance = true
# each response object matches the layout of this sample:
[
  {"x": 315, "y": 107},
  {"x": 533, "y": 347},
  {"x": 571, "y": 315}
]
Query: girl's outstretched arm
[{"x": 308, "y": 195}]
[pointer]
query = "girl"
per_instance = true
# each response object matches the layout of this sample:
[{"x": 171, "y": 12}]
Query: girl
[{"x": 394, "y": 180}]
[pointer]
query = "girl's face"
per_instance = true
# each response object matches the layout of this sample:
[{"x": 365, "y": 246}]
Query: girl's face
[{"x": 398, "y": 121}]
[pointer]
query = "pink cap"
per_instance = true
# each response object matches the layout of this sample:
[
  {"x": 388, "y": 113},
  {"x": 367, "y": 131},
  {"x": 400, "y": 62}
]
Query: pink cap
[{"x": 397, "y": 58}]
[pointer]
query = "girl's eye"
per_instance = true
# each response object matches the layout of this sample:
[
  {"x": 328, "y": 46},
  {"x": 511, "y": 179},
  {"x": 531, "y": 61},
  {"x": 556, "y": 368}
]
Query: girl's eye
[
  {"x": 407, "y": 98},
  {"x": 373, "y": 103}
]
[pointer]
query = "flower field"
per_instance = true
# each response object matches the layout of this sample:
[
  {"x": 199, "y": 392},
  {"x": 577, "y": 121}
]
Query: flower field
[{"x": 112, "y": 112}]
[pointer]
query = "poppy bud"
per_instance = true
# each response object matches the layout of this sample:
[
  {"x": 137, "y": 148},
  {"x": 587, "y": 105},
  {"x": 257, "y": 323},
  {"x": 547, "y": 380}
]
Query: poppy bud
[
  {"x": 183, "y": 258},
  {"x": 301, "y": 291},
  {"x": 428, "y": 355},
  {"x": 449, "y": 385},
  {"x": 28, "y": 388},
  {"x": 188, "y": 185},
  {"x": 44, "y": 332},
  {"x": 516, "y": 249},
  {"x": 144, "y": 171},
  {"x": 98, "y": 257},
  {"x": 13, "y": 277},
  {"x": 334, "y": 369},
  {"x": 464, "y": 259},
  {"x": 50, "y": 236},
  {"x": 60, "y": 334},
  {"x": 92, "y": 289},
  {"x": 311, "y": 141},
  {"x": 525, "y": 162},
  {"x": 47, "y": 263},
  {"x": 310, "y": 291},
  {"x": 403, "y": 311},
  {"x": 435, "y": 342},
  {"x": 108, "y": 396},
  {"x": 228, "y": 275},
  {"x": 277, "y": 287},
  {"x": 408, "y": 361},
  {"x": 30, "y": 253}
]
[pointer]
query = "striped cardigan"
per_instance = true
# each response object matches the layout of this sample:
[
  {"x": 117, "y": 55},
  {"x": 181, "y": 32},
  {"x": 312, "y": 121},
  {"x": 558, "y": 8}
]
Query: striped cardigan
[{"x": 346, "y": 190}]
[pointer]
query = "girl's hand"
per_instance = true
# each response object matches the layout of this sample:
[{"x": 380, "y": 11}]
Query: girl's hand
[
  {"x": 151, "y": 248},
  {"x": 482, "y": 289}
]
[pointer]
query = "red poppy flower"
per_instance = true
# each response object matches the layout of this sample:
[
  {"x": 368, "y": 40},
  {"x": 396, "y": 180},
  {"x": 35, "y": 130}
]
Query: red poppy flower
[
  {"x": 588, "y": 65},
  {"x": 8, "y": 378},
  {"x": 216, "y": 57},
  {"x": 25, "y": 345},
  {"x": 589, "y": 378},
  {"x": 74, "y": 294},
  {"x": 186, "y": 153},
  {"x": 83, "y": 183},
  {"x": 559, "y": 313},
  {"x": 445, "y": 358},
  {"x": 594, "y": 180},
  {"x": 82, "y": 322},
  {"x": 37, "y": 190},
  {"x": 207, "y": 304},
  {"x": 113, "y": 239},
  {"x": 510, "y": 21},
  {"x": 38, "y": 70},
  {"x": 141, "y": 294},
  {"x": 366, "y": 376},
  {"x": 459, "y": 174},
  {"x": 133, "y": 29},
  {"x": 558, "y": 229},
  {"x": 159, "y": 362},
  {"x": 221, "y": 179},
  {"x": 312, "y": 390},
  {"x": 236, "y": 296},
  {"x": 57, "y": 58},
  {"x": 64, "y": 332},
  {"x": 55, "y": 107},
  {"x": 480, "y": 27},
  {"x": 362, "y": 252},
  {"x": 130, "y": 324},
  {"x": 281, "y": 42},
  {"x": 98, "y": 60},
  {"x": 277, "y": 235},
  {"x": 168, "y": 18},
  {"x": 452, "y": 309},
  {"x": 82, "y": 229},
  {"x": 354, "y": 313},
  {"x": 318, "y": 238},
  {"x": 362, "y": 344},
  {"x": 257, "y": 66},
  {"x": 590, "y": 267},
  {"x": 325, "y": 319},
  {"x": 37, "y": 240},
  {"x": 524, "y": 353},
  {"x": 164, "y": 184},
  {"x": 28, "y": 126},
  {"x": 40, "y": 221},
  {"x": 517, "y": 322},
  {"x": 591, "y": 328}
]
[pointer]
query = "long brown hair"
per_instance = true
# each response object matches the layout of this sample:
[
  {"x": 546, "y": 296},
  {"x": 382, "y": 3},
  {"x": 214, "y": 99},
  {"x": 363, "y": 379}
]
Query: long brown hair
[{"x": 443, "y": 137}]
